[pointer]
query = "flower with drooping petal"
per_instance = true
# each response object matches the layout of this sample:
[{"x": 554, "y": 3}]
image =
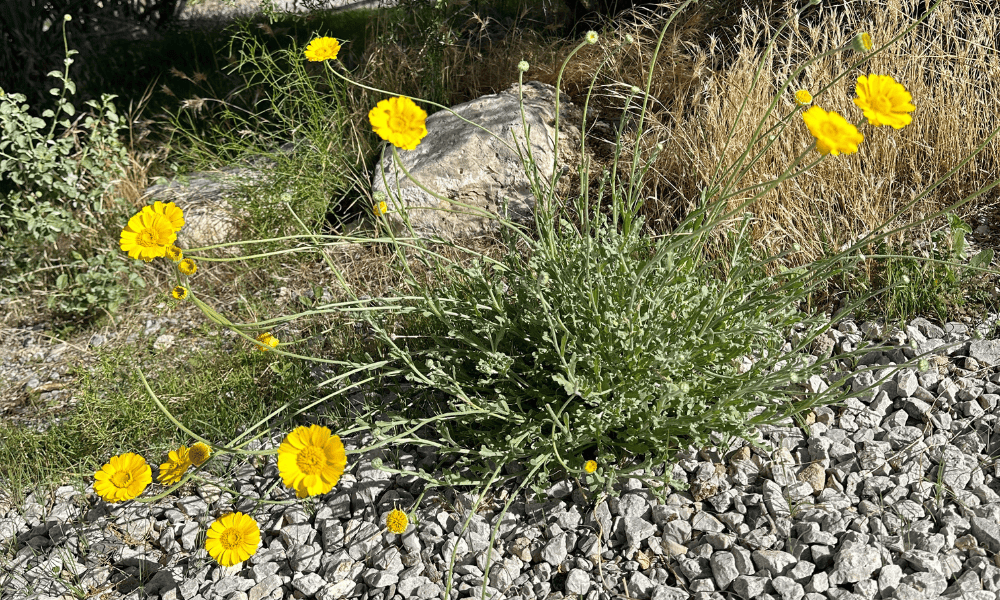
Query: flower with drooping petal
[
  {"x": 834, "y": 135},
  {"x": 178, "y": 462},
  {"x": 199, "y": 453},
  {"x": 232, "y": 538},
  {"x": 170, "y": 211},
  {"x": 124, "y": 477},
  {"x": 590, "y": 466},
  {"x": 147, "y": 235},
  {"x": 803, "y": 97},
  {"x": 174, "y": 253},
  {"x": 884, "y": 101},
  {"x": 322, "y": 48},
  {"x": 179, "y": 292},
  {"x": 187, "y": 266},
  {"x": 267, "y": 341},
  {"x": 399, "y": 121},
  {"x": 396, "y": 521},
  {"x": 311, "y": 461}
]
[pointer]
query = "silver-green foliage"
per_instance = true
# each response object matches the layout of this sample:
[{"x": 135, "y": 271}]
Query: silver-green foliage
[
  {"x": 56, "y": 172},
  {"x": 605, "y": 343}
]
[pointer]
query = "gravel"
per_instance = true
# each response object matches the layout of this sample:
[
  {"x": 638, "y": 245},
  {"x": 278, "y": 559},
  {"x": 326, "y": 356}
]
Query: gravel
[{"x": 894, "y": 495}]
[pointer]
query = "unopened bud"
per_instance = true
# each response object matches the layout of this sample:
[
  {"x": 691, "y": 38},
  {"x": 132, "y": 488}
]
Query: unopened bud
[
  {"x": 591, "y": 37},
  {"x": 862, "y": 43},
  {"x": 522, "y": 66}
]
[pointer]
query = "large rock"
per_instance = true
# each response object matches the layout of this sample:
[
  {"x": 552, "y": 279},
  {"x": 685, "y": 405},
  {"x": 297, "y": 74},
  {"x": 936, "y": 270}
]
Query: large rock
[
  {"x": 210, "y": 201},
  {"x": 465, "y": 164}
]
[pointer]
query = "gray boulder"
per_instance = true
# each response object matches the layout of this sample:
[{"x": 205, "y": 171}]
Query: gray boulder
[{"x": 467, "y": 165}]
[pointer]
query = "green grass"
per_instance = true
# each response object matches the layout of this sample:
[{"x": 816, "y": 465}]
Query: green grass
[{"x": 214, "y": 391}]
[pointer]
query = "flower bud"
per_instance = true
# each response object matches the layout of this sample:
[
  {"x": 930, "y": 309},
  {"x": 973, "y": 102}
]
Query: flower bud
[
  {"x": 67, "y": 18},
  {"x": 629, "y": 39},
  {"x": 522, "y": 66},
  {"x": 862, "y": 43},
  {"x": 636, "y": 90},
  {"x": 591, "y": 37},
  {"x": 803, "y": 97}
]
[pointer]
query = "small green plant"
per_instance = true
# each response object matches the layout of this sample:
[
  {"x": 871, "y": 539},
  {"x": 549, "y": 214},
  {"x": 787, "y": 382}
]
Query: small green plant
[{"x": 56, "y": 179}]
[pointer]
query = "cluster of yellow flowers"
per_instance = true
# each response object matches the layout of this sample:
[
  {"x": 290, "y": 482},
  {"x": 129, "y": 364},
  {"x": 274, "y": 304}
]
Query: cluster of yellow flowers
[
  {"x": 881, "y": 98},
  {"x": 310, "y": 460},
  {"x": 151, "y": 233}
]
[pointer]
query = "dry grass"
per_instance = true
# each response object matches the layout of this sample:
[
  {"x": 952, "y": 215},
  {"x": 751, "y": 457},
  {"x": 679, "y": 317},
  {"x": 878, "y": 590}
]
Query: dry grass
[{"x": 698, "y": 90}]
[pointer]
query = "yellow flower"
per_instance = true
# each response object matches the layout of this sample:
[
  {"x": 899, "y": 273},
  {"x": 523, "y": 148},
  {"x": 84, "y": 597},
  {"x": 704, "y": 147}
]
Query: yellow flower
[
  {"x": 123, "y": 477},
  {"x": 232, "y": 538},
  {"x": 187, "y": 266},
  {"x": 147, "y": 235},
  {"x": 833, "y": 133},
  {"x": 862, "y": 42},
  {"x": 396, "y": 521},
  {"x": 399, "y": 121},
  {"x": 322, "y": 48},
  {"x": 311, "y": 461},
  {"x": 803, "y": 97},
  {"x": 884, "y": 101},
  {"x": 590, "y": 466},
  {"x": 169, "y": 210},
  {"x": 177, "y": 464},
  {"x": 266, "y": 339},
  {"x": 381, "y": 208},
  {"x": 199, "y": 453},
  {"x": 174, "y": 253},
  {"x": 179, "y": 292}
]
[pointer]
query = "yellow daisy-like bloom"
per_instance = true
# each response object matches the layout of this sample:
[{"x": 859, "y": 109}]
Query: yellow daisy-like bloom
[
  {"x": 590, "y": 466},
  {"x": 187, "y": 266},
  {"x": 311, "y": 461},
  {"x": 396, "y": 521},
  {"x": 177, "y": 464},
  {"x": 381, "y": 208},
  {"x": 169, "y": 210},
  {"x": 147, "y": 235},
  {"x": 179, "y": 292},
  {"x": 399, "y": 121},
  {"x": 199, "y": 453},
  {"x": 232, "y": 538},
  {"x": 833, "y": 133},
  {"x": 267, "y": 341},
  {"x": 884, "y": 101},
  {"x": 803, "y": 97},
  {"x": 174, "y": 253},
  {"x": 322, "y": 48},
  {"x": 124, "y": 477},
  {"x": 862, "y": 42}
]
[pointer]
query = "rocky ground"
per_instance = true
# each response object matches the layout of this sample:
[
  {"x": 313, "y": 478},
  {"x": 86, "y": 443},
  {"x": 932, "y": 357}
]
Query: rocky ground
[{"x": 893, "y": 496}]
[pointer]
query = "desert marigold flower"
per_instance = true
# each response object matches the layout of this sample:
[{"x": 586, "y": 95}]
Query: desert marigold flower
[
  {"x": 267, "y": 340},
  {"x": 833, "y": 133},
  {"x": 381, "y": 208},
  {"x": 862, "y": 43},
  {"x": 177, "y": 464},
  {"x": 311, "y": 461},
  {"x": 170, "y": 211},
  {"x": 179, "y": 292},
  {"x": 396, "y": 521},
  {"x": 232, "y": 538},
  {"x": 590, "y": 466},
  {"x": 803, "y": 97},
  {"x": 174, "y": 253},
  {"x": 124, "y": 477},
  {"x": 147, "y": 235},
  {"x": 199, "y": 453},
  {"x": 399, "y": 121},
  {"x": 884, "y": 101},
  {"x": 591, "y": 37},
  {"x": 322, "y": 48},
  {"x": 187, "y": 266}
]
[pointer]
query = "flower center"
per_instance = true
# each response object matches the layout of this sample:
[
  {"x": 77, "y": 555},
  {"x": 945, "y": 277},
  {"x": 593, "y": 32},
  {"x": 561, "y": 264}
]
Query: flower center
[
  {"x": 882, "y": 104},
  {"x": 311, "y": 460},
  {"x": 396, "y": 124},
  {"x": 146, "y": 238},
  {"x": 829, "y": 129},
  {"x": 121, "y": 479},
  {"x": 231, "y": 539}
]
